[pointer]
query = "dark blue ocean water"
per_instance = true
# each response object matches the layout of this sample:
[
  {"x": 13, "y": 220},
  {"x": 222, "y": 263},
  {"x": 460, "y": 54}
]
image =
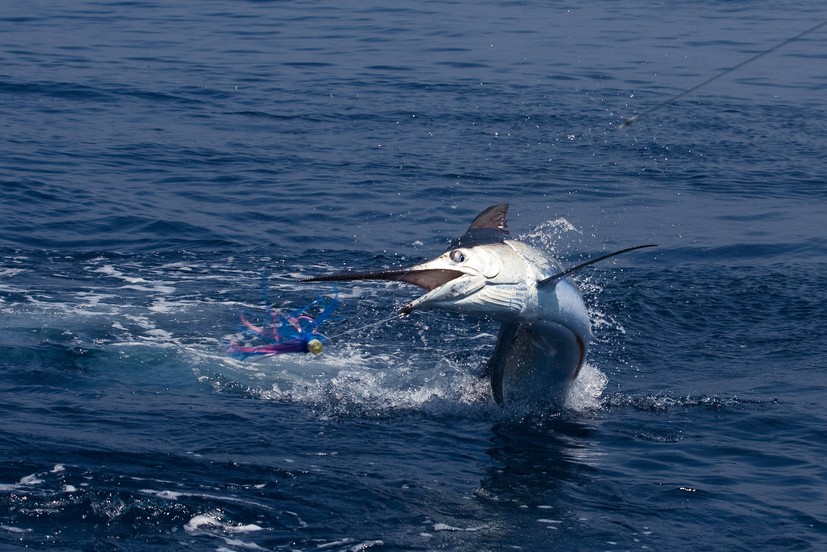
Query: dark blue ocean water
[{"x": 157, "y": 158}]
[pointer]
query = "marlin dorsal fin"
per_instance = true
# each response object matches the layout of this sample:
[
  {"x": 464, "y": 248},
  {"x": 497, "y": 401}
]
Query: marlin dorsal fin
[
  {"x": 490, "y": 226},
  {"x": 492, "y": 218}
]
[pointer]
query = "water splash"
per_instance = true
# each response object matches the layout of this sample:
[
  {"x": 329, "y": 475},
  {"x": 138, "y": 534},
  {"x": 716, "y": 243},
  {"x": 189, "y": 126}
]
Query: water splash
[
  {"x": 550, "y": 236},
  {"x": 586, "y": 391},
  {"x": 664, "y": 403}
]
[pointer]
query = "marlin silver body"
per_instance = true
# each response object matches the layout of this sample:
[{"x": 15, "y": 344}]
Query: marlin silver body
[{"x": 545, "y": 329}]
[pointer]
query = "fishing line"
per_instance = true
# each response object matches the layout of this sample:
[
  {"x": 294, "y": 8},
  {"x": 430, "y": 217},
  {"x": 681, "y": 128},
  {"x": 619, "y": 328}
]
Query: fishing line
[
  {"x": 371, "y": 325},
  {"x": 632, "y": 120}
]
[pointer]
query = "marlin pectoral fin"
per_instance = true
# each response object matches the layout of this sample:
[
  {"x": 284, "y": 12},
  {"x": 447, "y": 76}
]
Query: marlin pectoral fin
[
  {"x": 559, "y": 276},
  {"x": 496, "y": 366},
  {"x": 533, "y": 364}
]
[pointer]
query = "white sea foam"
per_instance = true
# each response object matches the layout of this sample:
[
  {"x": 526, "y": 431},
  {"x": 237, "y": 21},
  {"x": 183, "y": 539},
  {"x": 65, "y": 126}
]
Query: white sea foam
[
  {"x": 166, "y": 495},
  {"x": 333, "y": 544},
  {"x": 25, "y": 481},
  {"x": 238, "y": 543},
  {"x": 446, "y": 527},
  {"x": 159, "y": 335},
  {"x": 11, "y": 529},
  {"x": 136, "y": 283},
  {"x": 215, "y": 521},
  {"x": 9, "y": 272},
  {"x": 357, "y": 547}
]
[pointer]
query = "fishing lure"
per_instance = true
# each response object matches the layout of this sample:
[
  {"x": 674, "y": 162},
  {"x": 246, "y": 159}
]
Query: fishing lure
[{"x": 281, "y": 332}]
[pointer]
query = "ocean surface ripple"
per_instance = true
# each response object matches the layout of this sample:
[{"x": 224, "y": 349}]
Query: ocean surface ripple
[{"x": 169, "y": 167}]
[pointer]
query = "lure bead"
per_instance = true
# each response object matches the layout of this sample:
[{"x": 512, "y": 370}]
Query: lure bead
[{"x": 315, "y": 346}]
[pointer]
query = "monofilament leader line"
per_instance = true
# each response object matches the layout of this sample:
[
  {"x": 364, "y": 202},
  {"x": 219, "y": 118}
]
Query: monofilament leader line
[
  {"x": 366, "y": 326},
  {"x": 632, "y": 120}
]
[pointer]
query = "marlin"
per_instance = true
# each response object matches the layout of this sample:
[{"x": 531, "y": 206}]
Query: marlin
[{"x": 545, "y": 329}]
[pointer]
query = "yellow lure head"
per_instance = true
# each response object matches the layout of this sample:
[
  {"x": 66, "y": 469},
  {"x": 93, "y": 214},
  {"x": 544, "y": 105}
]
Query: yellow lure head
[{"x": 315, "y": 346}]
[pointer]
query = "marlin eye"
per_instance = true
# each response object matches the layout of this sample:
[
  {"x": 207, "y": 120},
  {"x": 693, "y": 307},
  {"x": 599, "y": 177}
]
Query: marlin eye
[{"x": 457, "y": 256}]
